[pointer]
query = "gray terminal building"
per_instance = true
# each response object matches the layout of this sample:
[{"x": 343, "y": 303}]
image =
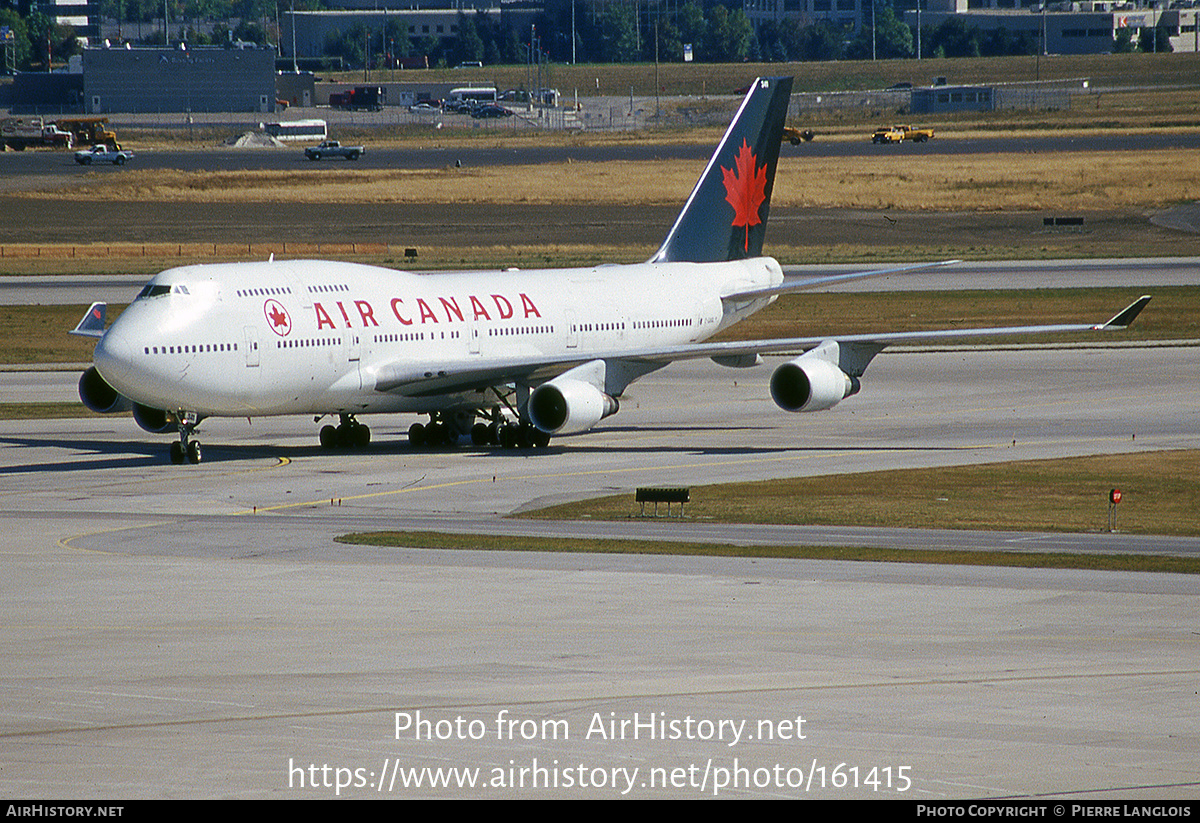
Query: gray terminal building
[{"x": 198, "y": 79}]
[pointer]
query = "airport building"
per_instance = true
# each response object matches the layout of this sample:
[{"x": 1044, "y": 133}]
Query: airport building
[
  {"x": 1088, "y": 27},
  {"x": 1069, "y": 27},
  {"x": 194, "y": 79},
  {"x": 82, "y": 15}
]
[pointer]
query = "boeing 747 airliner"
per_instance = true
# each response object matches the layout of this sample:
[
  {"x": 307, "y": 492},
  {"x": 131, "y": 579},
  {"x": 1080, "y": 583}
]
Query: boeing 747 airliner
[{"x": 504, "y": 357}]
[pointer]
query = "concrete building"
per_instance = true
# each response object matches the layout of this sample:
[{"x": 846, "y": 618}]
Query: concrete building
[
  {"x": 178, "y": 80},
  {"x": 1088, "y": 27},
  {"x": 82, "y": 15}
]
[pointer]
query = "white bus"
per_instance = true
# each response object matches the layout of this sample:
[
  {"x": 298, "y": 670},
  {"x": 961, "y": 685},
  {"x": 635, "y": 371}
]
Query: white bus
[{"x": 315, "y": 130}]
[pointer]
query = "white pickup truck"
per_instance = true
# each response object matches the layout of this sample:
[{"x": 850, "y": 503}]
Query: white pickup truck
[
  {"x": 332, "y": 148},
  {"x": 101, "y": 153}
]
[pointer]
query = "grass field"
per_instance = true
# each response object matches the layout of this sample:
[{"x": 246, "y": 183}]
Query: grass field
[
  {"x": 985, "y": 182},
  {"x": 1160, "y": 496}
]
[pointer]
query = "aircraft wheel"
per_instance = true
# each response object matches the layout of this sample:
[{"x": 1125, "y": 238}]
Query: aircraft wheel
[
  {"x": 416, "y": 435},
  {"x": 480, "y": 435},
  {"x": 361, "y": 435},
  {"x": 508, "y": 436},
  {"x": 176, "y": 452},
  {"x": 525, "y": 434},
  {"x": 540, "y": 439},
  {"x": 328, "y": 437},
  {"x": 194, "y": 454}
]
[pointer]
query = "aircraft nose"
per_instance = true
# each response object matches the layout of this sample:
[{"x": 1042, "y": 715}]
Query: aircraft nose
[{"x": 114, "y": 357}]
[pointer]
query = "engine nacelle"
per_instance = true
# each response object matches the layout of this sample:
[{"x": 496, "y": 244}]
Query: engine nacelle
[
  {"x": 809, "y": 384},
  {"x": 100, "y": 397},
  {"x": 155, "y": 421},
  {"x": 568, "y": 406}
]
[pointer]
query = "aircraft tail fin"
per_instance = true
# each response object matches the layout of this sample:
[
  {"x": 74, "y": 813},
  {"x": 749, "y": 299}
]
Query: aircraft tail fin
[
  {"x": 725, "y": 217},
  {"x": 92, "y": 324}
]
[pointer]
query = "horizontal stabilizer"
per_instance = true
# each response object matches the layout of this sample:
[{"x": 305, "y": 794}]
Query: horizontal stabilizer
[
  {"x": 92, "y": 324},
  {"x": 803, "y": 283}
]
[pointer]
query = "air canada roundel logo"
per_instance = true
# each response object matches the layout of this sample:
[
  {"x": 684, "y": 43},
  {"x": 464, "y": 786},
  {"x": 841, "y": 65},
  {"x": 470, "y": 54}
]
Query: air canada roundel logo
[{"x": 277, "y": 318}]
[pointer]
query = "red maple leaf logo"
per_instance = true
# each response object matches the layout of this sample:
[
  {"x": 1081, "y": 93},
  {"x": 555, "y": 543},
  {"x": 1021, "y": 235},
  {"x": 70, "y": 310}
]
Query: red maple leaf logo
[
  {"x": 745, "y": 189},
  {"x": 278, "y": 317}
]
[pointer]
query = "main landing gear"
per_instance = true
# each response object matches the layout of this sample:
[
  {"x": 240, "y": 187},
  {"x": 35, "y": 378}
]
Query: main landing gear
[
  {"x": 186, "y": 449},
  {"x": 348, "y": 434},
  {"x": 445, "y": 428}
]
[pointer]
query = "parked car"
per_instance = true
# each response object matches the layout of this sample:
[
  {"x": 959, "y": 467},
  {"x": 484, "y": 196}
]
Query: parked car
[
  {"x": 490, "y": 110},
  {"x": 101, "y": 153}
]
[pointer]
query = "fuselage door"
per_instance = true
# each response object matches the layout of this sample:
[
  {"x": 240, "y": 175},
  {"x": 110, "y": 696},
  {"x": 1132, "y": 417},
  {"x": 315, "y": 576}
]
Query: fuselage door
[
  {"x": 572, "y": 330},
  {"x": 250, "y": 341}
]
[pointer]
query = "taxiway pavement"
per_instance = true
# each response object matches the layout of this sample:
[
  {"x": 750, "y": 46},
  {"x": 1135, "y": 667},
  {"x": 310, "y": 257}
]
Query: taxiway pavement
[{"x": 194, "y": 631}]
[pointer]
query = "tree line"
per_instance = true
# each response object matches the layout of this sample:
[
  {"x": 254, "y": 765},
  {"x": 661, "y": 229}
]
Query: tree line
[{"x": 602, "y": 33}]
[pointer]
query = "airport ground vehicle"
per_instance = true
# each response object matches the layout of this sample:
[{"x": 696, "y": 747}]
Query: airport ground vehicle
[
  {"x": 298, "y": 130},
  {"x": 898, "y": 134},
  {"x": 798, "y": 136},
  {"x": 19, "y": 133},
  {"x": 89, "y": 131},
  {"x": 359, "y": 98},
  {"x": 101, "y": 153},
  {"x": 332, "y": 148}
]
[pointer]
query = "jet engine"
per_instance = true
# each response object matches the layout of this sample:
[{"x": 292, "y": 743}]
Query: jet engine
[
  {"x": 155, "y": 421},
  {"x": 565, "y": 405},
  {"x": 809, "y": 384},
  {"x": 100, "y": 397}
]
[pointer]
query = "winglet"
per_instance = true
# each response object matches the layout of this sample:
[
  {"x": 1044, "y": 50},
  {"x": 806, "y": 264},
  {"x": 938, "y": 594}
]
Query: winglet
[
  {"x": 92, "y": 324},
  {"x": 1126, "y": 317}
]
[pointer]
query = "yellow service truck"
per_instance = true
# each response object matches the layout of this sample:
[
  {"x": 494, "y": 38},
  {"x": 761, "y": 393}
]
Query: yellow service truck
[{"x": 898, "y": 134}]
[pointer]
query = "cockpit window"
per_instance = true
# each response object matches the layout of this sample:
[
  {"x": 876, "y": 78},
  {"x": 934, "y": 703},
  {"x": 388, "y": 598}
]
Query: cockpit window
[{"x": 153, "y": 290}]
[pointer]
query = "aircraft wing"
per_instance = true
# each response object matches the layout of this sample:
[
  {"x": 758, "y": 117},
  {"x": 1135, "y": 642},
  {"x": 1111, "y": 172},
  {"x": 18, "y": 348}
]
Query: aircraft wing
[{"x": 857, "y": 351}]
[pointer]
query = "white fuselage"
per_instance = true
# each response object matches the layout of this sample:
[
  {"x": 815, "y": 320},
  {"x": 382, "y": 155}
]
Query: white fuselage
[{"x": 286, "y": 337}]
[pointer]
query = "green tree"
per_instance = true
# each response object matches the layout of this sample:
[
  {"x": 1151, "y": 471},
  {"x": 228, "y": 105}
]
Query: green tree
[
  {"x": 727, "y": 38},
  {"x": 20, "y": 43},
  {"x": 820, "y": 41},
  {"x": 892, "y": 38},
  {"x": 690, "y": 21},
  {"x": 468, "y": 47},
  {"x": 1123, "y": 43},
  {"x": 618, "y": 35},
  {"x": 1156, "y": 39}
]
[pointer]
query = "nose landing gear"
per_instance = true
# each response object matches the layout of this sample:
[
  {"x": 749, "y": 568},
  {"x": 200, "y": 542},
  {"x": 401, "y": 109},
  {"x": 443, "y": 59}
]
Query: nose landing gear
[{"x": 186, "y": 450}]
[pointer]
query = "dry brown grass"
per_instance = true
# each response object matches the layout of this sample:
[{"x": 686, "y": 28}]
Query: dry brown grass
[
  {"x": 1066, "y": 495},
  {"x": 992, "y": 182}
]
